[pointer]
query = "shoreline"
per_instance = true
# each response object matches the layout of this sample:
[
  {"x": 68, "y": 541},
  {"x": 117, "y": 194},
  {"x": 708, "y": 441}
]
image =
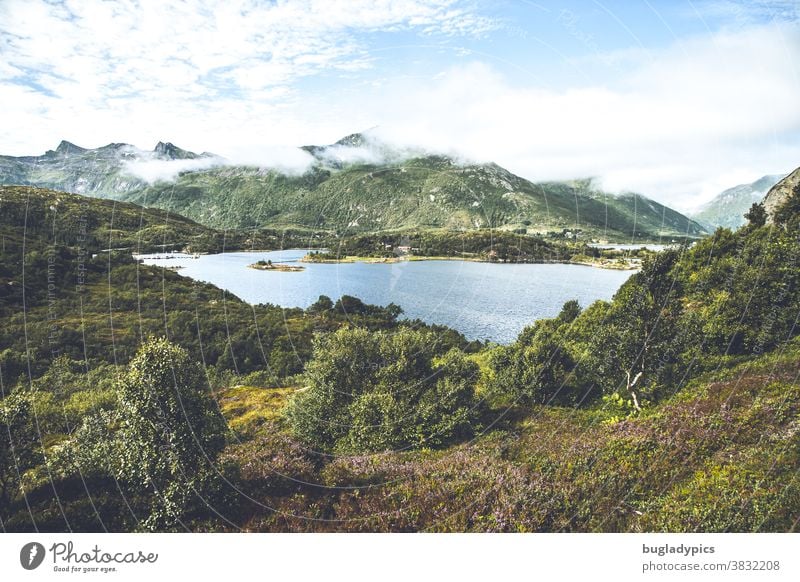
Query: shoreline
[
  {"x": 409, "y": 258},
  {"x": 395, "y": 260}
]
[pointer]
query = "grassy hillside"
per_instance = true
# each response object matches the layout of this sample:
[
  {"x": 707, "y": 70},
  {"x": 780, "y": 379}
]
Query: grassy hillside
[
  {"x": 722, "y": 455},
  {"x": 672, "y": 407},
  {"x": 71, "y": 220},
  {"x": 42, "y": 216}
]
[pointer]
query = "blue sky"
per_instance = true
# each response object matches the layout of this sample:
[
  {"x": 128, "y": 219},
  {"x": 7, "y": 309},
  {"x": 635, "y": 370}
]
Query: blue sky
[{"x": 675, "y": 99}]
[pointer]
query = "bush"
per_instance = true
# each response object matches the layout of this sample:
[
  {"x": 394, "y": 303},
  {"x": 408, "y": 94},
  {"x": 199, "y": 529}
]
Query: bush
[{"x": 375, "y": 391}]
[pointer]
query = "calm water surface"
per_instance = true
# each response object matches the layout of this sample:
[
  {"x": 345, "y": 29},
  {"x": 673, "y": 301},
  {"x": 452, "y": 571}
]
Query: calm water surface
[{"x": 481, "y": 300}]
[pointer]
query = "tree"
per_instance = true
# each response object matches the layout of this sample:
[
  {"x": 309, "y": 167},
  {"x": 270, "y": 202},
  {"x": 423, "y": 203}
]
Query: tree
[
  {"x": 171, "y": 431},
  {"x": 321, "y": 305},
  {"x": 540, "y": 368},
  {"x": 570, "y": 311},
  {"x": 636, "y": 345},
  {"x": 19, "y": 445},
  {"x": 756, "y": 216},
  {"x": 340, "y": 367},
  {"x": 537, "y": 369},
  {"x": 447, "y": 410}
]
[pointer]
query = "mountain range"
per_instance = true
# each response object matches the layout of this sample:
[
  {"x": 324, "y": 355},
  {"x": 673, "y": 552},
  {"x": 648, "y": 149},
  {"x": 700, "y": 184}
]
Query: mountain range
[
  {"x": 358, "y": 184},
  {"x": 104, "y": 172},
  {"x": 727, "y": 209}
]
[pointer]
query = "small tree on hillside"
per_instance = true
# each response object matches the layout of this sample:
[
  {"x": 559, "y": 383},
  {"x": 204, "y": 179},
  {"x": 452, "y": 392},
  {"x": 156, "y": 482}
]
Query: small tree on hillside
[
  {"x": 19, "y": 446},
  {"x": 640, "y": 335},
  {"x": 756, "y": 216},
  {"x": 171, "y": 431}
]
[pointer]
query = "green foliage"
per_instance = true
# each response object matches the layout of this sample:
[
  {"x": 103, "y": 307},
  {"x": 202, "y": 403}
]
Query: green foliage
[
  {"x": 321, "y": 305},
  {"x": 537, "y": 369},
  {"x": 171, "y": 430},
  {"x": 788, "y": 214},
  {"x": 730, "y": 294},
  {"x": 720, "y": 456},
  {"x": 756, "y": 216},
  {"x": 482, "y": 244},
  {"x": 429, "y": 192},
  {"x": 381, "y": 391},
  {"x": 20, "y": 445}
]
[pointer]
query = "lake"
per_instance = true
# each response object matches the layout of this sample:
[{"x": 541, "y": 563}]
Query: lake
[{"x": 481, "y": 300}]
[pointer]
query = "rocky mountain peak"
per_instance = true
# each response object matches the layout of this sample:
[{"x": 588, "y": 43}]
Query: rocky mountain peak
[
  {"x": 779, "y": 193},
  {"x": 66, "y": 148},
  {"x": 170, "y": 151},
  {"x": 355, "y": 140}
]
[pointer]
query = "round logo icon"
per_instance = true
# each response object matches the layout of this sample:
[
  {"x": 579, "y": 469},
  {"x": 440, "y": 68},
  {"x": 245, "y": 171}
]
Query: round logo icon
[{"x": 31, "y": 555}]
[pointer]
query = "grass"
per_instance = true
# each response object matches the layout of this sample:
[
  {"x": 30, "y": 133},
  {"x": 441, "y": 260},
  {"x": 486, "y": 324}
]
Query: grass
[{"x": 248, "y": 408}]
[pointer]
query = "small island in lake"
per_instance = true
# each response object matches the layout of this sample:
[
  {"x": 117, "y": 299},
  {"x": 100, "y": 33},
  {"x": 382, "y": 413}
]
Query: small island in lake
[{"x": 270, "y": 266}]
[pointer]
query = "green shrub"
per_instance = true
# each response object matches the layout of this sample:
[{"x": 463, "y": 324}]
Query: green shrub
[{"x": 375, "y": 391}]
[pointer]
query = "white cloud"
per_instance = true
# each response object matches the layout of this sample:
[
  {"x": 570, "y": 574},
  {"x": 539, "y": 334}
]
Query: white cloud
[
  {"x": 152, "y": 170},
  {"x": 199, "y": 72},
  {"x": 714, "y": 110},
  {"x": 288, "y": 160},
  {"x": 242, "y": 79},
  {"x": 101, "y": 50}
]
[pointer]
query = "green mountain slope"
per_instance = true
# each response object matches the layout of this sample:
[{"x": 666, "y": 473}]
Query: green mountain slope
[
  {"x": 357, "y": 184},
  {"x": 385, "y": 190},
  {"x": 728, "y": 207},
  {"x": 30, "y": 214}
]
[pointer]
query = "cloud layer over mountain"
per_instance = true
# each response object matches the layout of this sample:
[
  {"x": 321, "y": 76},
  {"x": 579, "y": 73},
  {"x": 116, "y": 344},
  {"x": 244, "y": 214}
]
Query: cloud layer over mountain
[{"x": 678, "y": 120}]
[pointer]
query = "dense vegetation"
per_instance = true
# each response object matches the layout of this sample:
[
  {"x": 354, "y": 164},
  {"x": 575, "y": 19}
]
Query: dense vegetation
[
  {"x": 673, "y": 407},
  {"x": 71, "y": 223}
]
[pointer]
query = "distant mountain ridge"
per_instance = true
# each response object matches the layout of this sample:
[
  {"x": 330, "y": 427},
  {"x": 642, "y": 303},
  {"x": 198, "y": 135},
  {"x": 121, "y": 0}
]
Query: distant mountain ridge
[
  {"x": 102, "y": 171},
  {"x": 727, "y": 209},
  {"x": 357, "y": 184}
]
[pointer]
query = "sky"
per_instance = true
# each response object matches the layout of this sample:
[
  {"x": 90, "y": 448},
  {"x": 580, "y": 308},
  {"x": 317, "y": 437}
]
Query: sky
[{"x": 677, "y": 100}]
